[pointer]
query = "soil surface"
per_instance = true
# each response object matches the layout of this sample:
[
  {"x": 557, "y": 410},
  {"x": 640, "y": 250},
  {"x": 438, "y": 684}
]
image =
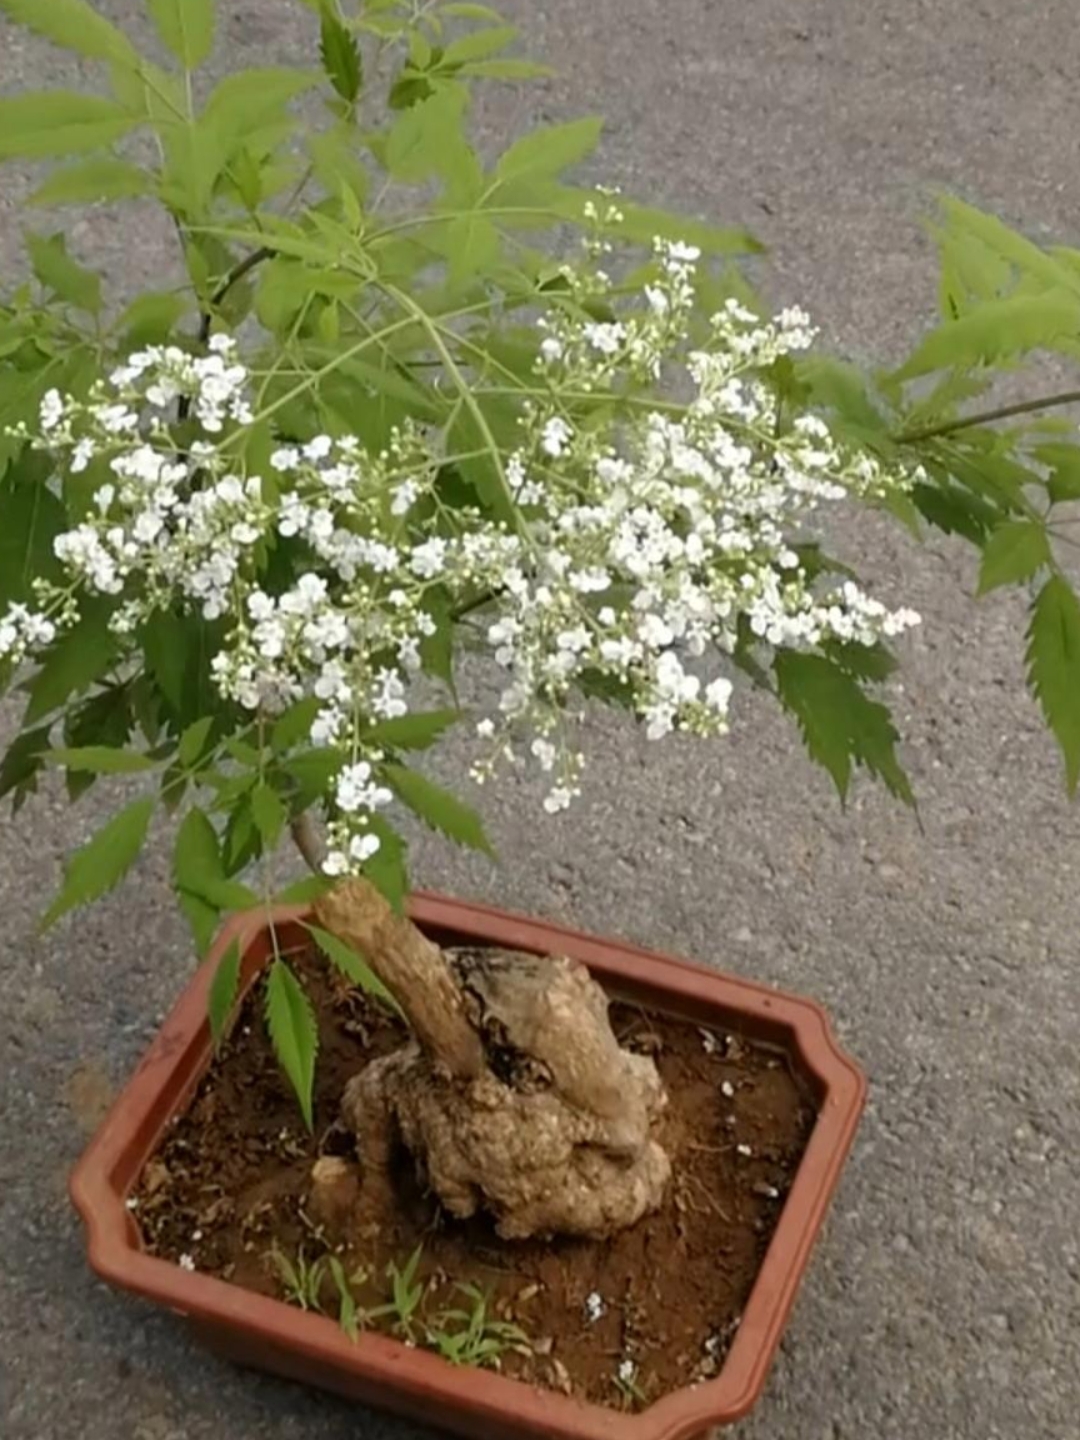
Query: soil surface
[{"x": 620, "y": 1323}]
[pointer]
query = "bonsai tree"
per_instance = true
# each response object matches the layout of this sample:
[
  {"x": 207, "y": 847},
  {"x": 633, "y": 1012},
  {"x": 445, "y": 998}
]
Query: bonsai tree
[{"x": 407, "y": 400}]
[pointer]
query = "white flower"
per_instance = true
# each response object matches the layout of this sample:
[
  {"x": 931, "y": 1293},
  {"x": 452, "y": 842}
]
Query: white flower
[
  {"x": 363, "y": 847},
  {"x": 545, "y": 752},
  {"x": 335, "y": 863},
  {"x": 595, "y": 1308},
  {"x": 318, "y": 448},
  {"x": 551, "y": 349},
  {"x": 558, "y": 799},
  {"x": 186, "y": 1262},
  {"x": 52, "y": 410},
  {"x": 557, "y": 432},
  {"x": 485, "y": 729}
]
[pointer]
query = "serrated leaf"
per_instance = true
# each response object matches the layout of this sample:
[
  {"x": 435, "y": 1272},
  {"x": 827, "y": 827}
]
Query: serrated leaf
[
  {"x": 437, "y": 807},
  {"x": 223, "y": 991},
  {"x": 93, "y": 180},
  {"x": 427, "y": 138},
  {"x": 466, "y": 10},
  {"x": 59, "y": 122},
  {"x": 79, "y": 657},
  {"x": 101, "y": 760},
  {"x": 506, "y": 69},
  {"x": 293, "y": 1033},
  {"x": 550, "y": 150},
  {"x": 22, "y": 762},
  {"x": 995, "y": 329},
  {"x": 199, "y": 868},
  {"x": 58, "y": 272},
  {"x": 1053, "y": 658},
  {"x": 417, "y": 731},
  {"x": 294, "y": 725},
  {"x": 73, "y": 25},
  {"x": 193, "y": 741},
  {"x": 269, "y": 814},
  {"x": 305, "y": 891},
  {"x": 955, "y": 510},
  {"x": 186, "y": 27},
  {"x": 32, "y": 519},
  {"x": 477, "y": 46},
  {"x": 103, "y": 861},
  {"x": 840, "y": 725},
  {"x": 149, "y": 320},
  {"x": 1013, "y": 552},
  {"x": 340, "y": 57},
  {"x": 386, "y": 869},
  {"x": 353, "y": 966},
  {"x": 1063, "y": 461}
]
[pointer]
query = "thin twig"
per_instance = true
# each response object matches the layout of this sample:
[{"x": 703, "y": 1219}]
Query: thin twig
[{"x": 984, "y": 417}]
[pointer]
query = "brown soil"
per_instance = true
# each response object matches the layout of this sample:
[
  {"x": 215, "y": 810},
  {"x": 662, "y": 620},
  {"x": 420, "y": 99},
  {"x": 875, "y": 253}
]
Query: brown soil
[{"x": 231, "y": 1183}]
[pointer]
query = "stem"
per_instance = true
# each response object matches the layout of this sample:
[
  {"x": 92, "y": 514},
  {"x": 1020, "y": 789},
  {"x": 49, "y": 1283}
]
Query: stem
[
  {"x": 307, "y": 840},
  {"x": 235, "y": 275},
  {"x": 984, "y": 417}
]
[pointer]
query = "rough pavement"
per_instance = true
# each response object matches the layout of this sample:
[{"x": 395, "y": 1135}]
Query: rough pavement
[{"x": 944, "y": 1301}]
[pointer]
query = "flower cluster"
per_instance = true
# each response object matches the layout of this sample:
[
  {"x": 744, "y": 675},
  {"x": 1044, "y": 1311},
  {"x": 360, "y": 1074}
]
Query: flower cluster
[{"x": 638, "y": 543}]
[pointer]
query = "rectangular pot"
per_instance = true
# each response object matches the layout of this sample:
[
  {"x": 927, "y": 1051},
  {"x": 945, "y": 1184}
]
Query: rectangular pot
[{"x": 380, "y": 1371}]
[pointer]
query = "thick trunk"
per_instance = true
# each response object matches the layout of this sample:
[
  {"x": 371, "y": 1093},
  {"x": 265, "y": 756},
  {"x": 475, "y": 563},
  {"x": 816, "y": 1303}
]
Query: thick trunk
[{"x": 515, "y": 1097}]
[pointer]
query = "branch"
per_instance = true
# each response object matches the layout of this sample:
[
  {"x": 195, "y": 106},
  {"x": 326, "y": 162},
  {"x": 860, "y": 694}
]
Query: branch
[
  {"x": 307, "y": 841},
  {"x": 984, "y": 417},
  {"x": 234, "y": 276}
]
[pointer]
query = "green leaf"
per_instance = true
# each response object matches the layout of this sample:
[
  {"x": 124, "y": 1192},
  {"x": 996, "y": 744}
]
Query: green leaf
[
  {"x": 199, "y": 867},
  {"x": 386, "y": 869},
  {"x": 955, "y": 510},
  {"x": 1053, "y": 658},
  {"x": 223, "y": 991},
  {"x": 91, "y": 180},
  {"x": 353, "y": 966},
  {"x": 178, "y": 650},
  {"x": 102, "y": 862},
  {"x": 294, "y": 725},
  {"x": 59, "y": 122},
  {"x": 32, "y": 519},
  {"x": 467, "y": 10},
  {"x": 79, "y": 657},
  {"x": 1013, "y": 552},
  {"x": 417, "y": 731},
  {"x": 102, "y": 760},
  {"x": 838, "y": 723},
  {"x": 149, "y": 319},
  {"x": 340, "y": 57},
  {"x": 478, "y": 46},
  {"x": 303, "y": 892},
  {"x": 186, "y": 27},
  {"x": 73, "y": 25},
  {"x": 550, "y": 150},
  {"x": 437, "y": 807},
  {"x": 269, "y": 814},
  {"x": 293, "y": 1033},
  {"x": 427, "y": 139},
  {"x": 56, "y": 271},
  {"x": 193, "y": 741},
  {"x": 1063, "y": 461},
  {"x": 22, "y": 762},
  {"x": 995, "y": 329}
]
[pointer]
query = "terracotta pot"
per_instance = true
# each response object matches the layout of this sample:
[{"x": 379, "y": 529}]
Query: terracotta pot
[{"x": 379, "y": 1371}]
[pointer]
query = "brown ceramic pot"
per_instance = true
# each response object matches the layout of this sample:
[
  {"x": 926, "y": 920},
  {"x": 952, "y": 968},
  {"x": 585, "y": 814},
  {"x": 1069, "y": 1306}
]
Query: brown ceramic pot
[{"x": 379, "y": 1371}]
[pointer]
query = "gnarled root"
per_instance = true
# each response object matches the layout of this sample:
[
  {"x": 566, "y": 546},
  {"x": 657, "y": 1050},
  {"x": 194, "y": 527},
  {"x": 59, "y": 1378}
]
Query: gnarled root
[{"x": 515, "y": 1096}]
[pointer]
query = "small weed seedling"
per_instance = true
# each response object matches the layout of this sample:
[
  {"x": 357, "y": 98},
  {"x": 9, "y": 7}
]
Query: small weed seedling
[
  {"x": 473, "y": 1336},
  {"x": 354, "y": 1318},
  {"x": 627, "y": 1384},
  {"x": 406, "y": 1295},
  {"x": 301, "y": 1281}
]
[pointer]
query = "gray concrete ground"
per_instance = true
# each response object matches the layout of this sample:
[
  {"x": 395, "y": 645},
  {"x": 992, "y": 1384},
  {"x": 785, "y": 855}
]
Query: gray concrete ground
[{"x": 944, "y": 1301}]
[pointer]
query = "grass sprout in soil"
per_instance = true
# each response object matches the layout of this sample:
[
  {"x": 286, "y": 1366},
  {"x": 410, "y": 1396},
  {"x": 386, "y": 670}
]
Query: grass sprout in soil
[{"x": 621, "y": 1322}]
